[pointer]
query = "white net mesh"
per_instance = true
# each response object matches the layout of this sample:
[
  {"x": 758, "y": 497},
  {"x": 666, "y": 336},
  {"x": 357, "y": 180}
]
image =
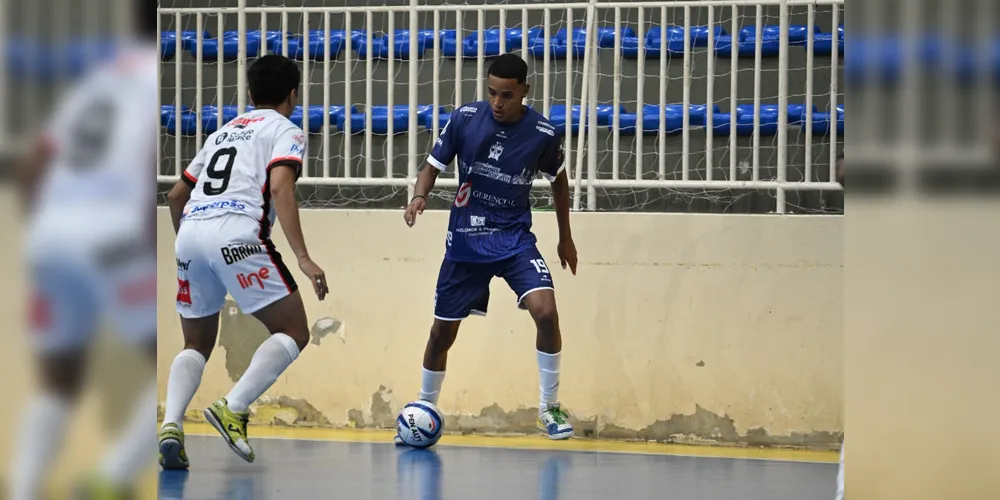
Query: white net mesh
[{"x": 446, "y": 80}]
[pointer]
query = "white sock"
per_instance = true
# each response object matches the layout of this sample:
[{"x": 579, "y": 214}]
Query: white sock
[
  {"x": 548, "y": 375},
  {"x": 430, "y": 385},
  {"x": 40, "y": 437},
  {"x": 268, "y": 363},
  {"x": 134, "y": 449},
  {"x": 185, "y": 377},
  {"x": 840, "y": 475}
]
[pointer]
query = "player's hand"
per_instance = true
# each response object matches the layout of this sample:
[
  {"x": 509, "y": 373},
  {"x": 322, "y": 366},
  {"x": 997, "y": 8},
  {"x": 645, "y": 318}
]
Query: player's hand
[
  {"x": 316, "y": 276},
  {"x": 567, "y": 254},
  {"x": 416, "y": 207}
]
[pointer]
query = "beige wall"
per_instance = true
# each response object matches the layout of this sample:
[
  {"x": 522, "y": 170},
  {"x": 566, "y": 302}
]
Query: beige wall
[{"x": 694, "y": 328}]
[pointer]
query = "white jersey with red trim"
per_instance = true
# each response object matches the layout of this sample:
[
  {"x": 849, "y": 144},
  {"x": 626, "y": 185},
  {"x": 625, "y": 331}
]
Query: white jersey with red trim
[
  {"x": 231, "y": 173},
  {"x": 101, "y": 143}
]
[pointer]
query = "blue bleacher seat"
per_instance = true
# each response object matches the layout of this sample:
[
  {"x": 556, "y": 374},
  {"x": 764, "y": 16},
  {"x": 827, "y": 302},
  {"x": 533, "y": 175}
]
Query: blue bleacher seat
[
  {"x": 230, "y": 43},
  {"x": 747, "y": 47},
  {"x": 380, "y": 120},
  {"x": 168, "y": 41},
  {"x": 31, "y": 59},
  {"x": 823, "y": 43},
  {"x": 188, "y": 120},
  {"x": 210, "y": 115},
  {"x": 797, "y": 33},
  {"x": 795, "y": 111},
  {"x": 699, "y": 34},
  {"x": 401, "y": 40}
]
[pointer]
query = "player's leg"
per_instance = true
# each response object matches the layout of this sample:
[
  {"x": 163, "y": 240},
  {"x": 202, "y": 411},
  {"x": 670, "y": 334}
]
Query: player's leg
[
  {"x": 62, "y": 320},
  {"x": 529, "y": 278},
  {"x": 200, "y": 297},
  {"x": 261, "y": 285},
  {"x": 462, "y": 289}
]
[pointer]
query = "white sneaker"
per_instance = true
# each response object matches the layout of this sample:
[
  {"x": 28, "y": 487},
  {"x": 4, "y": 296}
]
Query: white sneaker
[{"x": 554, "y": 421}]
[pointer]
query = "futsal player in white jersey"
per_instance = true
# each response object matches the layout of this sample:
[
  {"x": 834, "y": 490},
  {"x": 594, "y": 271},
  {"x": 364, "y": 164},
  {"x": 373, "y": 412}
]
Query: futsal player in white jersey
[
  {"x": 90, "y": 255},
  {"x": 223, "y": 208}
]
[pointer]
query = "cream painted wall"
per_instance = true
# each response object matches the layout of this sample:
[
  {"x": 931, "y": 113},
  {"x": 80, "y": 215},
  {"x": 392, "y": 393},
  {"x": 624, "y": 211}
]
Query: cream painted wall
[{"x": 691, "y": 328}]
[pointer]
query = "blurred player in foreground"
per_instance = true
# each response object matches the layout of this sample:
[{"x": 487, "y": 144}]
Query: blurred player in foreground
[
  {"x": 500, "y": 146},
  {"x": 91, "y": 254},
  {"x": 223, "y": 208}
]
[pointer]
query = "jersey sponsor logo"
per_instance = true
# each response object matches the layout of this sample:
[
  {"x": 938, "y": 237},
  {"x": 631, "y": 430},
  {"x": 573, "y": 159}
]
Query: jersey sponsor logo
[
  {"x": 492, "y": 199},
  {"x": 495, "y": 151},
  {"x": 237, "y": 253},
  {"x": 477, "y": 220},
  {"x": 217, "y": 205},
  {"x": 183, "y": 292},
  {"x": 247, "y": 280},
  {"x": 494, "y": 172},
  {"x": 244, "y": 122},
  {"x": 231, "y": 137},
  {"x": 546, "y": 131},
  {"x": 182, "y": 265},
  {"x": 546, "y": 125},
  {"x": 463, "y": 195},
  {"x": 468, "y": 110}
]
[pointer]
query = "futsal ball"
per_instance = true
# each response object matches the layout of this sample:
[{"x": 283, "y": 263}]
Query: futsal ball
[{"x": 419, "y": 424}]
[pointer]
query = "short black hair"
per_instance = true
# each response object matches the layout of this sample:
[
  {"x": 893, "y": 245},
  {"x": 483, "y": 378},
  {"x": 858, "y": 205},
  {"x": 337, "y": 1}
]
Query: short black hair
[
  {"x": 144, "y": 14},
  {"x": 509, "y": 66},
  {"x": 271, "y": 79}
]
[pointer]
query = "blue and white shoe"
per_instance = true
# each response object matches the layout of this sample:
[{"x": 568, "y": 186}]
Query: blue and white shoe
[{"x": 555, "y": 422}]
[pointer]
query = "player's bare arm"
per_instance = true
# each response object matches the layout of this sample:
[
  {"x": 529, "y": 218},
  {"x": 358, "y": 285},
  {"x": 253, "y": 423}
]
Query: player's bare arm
[
  {"x": 287, "y": 208},
  {"x": 176, "y": 199},
  {"x": 560, "y": 195},
  {"x": 425, "y": 182},
  {"x": 30, "y": 171}
]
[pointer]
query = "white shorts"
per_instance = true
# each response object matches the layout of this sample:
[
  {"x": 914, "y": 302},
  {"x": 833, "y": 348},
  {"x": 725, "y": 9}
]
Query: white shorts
[
  {"x": 226, "y": 254},
  {"x": 81, "y": 273}
]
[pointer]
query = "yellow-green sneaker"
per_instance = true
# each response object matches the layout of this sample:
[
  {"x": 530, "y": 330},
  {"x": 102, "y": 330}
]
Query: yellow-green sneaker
[
  {"x": 232, "y": 426},
  {"x": 172, "y": 454}
]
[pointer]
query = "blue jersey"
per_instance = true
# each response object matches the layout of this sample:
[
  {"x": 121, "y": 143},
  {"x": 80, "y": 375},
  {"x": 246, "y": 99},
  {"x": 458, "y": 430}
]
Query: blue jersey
[{"x": 497, "y": 162}]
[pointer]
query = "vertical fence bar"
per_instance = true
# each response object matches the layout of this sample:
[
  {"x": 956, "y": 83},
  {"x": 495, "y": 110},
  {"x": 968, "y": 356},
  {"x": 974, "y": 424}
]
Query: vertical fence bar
[
  {"x": 326, "y": 91},
  {"x": 810, "y": 53},
  {"x": 757, "y": 73},
  {"x": 199, "y": 99},
  {"x": 834, "y": 57},
  {"x": 710, "y": 99},
  {"x": 782, "y": 104},
  {"x": 546, "y": 62},
  {"x": 284, "y": 33},
  {"x": 369, "y": 91},
  {"x": 578, "y": 171},
  {"x": 503, "y": 31},
  {"x": 480, "y": 55},
  {"x": 4, "y": 140},
  {"x": 178, "y": 103},
  {"x": 568, "y": 126},
  {"x": 459, "y": 55},
  {"x": 411, "y": 101},
  {"x": 640, "y": 90},
  {"x": 734, "y": 70},
  {"x": 220, "y": 77},
  {"x": 436, "y": 74},
  {"x": 391, "y": 95},
  {"x": 305, "y": 89},
  {"x": 591, "y": 49},
  {"x": 686, "y": 109},
  {"x": 348, "y": 102},
  {"x": 241, "y": 56},
  {"x": 662, "y": 127},
  {"x": 616, "y": 99},
  {"x": 524, "y": 35}
]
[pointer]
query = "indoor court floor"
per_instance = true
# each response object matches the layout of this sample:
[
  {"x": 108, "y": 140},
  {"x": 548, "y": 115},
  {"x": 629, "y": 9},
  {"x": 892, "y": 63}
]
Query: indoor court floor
[{"x": 301, "y": 464}]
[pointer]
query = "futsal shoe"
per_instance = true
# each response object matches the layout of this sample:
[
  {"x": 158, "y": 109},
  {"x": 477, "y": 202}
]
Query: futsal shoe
[
  {"x": 232, "y": 426},
  {"x": 554, "y": 421},
  {"x": 172, "y": 454}
]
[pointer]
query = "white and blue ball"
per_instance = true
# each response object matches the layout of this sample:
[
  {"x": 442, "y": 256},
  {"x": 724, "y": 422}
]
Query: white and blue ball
[{"x": 419, "y": 424}]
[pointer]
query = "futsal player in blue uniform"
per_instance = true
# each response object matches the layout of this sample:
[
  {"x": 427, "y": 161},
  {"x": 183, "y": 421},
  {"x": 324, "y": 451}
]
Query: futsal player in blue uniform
[{"x": 500, "y": 146}]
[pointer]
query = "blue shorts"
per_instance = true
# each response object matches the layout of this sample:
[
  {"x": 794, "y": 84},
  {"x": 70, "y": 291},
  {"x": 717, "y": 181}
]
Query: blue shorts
[{"x": 463, "y": 288}]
